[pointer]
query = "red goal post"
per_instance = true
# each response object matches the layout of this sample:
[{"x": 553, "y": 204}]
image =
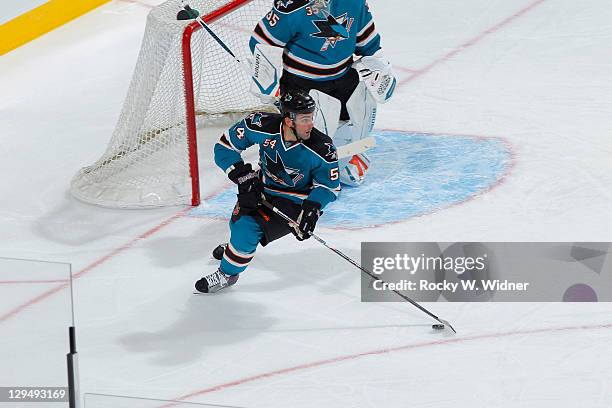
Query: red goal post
[
  {"x": 181, "y": 73},
  {"x": 189, "y": 98}
]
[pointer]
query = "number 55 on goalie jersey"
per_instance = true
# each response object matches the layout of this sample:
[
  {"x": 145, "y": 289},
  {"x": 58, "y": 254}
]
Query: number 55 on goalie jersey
[
  {"x": 297, "y": 171},
  {"x": 319, "y": 37}
]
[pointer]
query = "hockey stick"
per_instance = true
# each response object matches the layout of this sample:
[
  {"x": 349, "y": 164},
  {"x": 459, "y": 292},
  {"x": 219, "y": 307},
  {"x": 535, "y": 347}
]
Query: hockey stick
[
  {"x": 357, "y": 147},
  {"x": 364, "y": 270}
]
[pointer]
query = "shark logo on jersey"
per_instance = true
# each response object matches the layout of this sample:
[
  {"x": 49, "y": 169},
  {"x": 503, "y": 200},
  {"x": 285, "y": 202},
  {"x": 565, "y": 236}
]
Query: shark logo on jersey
[
  {"x": 255, "y": 118},
  {"x": 333, "y": 29},
  {"x": 277, "y": 171},
  {"x": 331, "y": 152}
]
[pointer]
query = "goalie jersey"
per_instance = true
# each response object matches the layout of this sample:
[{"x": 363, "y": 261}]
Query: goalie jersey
[
  {"x": 296, "y": 171},
  {"x": 319, "y": 37}
]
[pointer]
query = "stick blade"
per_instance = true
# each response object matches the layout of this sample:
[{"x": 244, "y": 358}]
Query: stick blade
[
  {"x": 357, "y": 147},
  {"x": 447, "y": 324}
]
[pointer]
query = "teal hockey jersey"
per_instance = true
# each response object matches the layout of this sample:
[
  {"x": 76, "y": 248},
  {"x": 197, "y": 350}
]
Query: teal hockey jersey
[
  {"x": 297, "y": 171},
  {"x": 319, "y": 37}
]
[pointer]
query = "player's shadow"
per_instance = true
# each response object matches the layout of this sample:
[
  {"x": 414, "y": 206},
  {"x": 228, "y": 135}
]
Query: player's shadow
[
  {"x": 75, "y": 223},
  {"x": 207, "y": 323},
  {"x": 316, "y": 267},
  {"x": 178, "y": 251},
  {"x": 313, "y": 267}
]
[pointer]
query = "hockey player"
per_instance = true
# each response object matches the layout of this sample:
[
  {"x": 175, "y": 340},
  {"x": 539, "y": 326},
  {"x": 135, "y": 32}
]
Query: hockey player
[
  {"x": 298, "y": 174},
  {"x": 320, "y": 39}
]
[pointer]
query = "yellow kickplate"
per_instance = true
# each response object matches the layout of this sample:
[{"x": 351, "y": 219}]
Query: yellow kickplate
[{"x": 41, "y": 20}]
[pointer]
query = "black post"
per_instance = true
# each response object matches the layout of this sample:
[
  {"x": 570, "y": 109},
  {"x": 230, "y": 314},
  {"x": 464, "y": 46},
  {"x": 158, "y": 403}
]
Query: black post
[{"x": 73, "y": 371}]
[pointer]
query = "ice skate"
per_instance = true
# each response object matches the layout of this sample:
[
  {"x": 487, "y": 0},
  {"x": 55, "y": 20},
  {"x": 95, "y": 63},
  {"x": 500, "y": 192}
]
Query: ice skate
[{"x": 215, "y": 281}]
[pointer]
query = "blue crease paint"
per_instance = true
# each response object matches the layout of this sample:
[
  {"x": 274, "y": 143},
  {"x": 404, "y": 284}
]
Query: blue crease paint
[{"x": 411, "y": 174}]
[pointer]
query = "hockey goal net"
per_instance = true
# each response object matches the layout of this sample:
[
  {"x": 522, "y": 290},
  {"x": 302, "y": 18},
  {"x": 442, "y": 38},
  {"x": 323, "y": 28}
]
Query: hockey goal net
[{"x": 181, "y": 73}]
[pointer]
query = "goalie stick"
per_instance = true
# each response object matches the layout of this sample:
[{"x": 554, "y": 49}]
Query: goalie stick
[
  {"x": 357, "y": 147},
  {"x": 354, "y": 263}
]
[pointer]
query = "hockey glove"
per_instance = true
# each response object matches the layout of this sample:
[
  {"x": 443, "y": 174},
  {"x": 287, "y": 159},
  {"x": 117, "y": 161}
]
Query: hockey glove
[
  {"x": 373, "y": 66},
  {"x": 249, "y": 184},
  {"x": 307, "y": 220},
  {"x": 376, "y": 72}
]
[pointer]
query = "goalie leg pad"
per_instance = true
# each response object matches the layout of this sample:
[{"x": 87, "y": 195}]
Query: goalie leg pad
[
  {"x": 362, "y": 111},
  {"x": 361, "y": 107},
  {"x": 327, "y": 113},
  {"x": 353, "y": 170}
]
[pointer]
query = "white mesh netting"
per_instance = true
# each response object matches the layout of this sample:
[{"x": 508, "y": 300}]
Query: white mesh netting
[{"x": 146, "y": 163}]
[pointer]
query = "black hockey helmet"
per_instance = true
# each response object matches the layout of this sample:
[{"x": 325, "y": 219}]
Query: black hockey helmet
[{"x": 294, "y": 102}]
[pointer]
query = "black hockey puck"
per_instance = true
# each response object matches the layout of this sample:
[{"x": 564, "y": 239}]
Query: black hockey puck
[
  {"x": 218, "y": 251},
  {"x": 437, "y": 326}
]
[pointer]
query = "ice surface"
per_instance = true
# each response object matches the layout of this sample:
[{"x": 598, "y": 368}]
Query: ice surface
[{"x": 533, "y": 75}]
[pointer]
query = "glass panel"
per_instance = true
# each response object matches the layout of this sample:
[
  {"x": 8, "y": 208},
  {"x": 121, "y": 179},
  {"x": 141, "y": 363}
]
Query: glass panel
[{"x": 35, "y": 314}]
